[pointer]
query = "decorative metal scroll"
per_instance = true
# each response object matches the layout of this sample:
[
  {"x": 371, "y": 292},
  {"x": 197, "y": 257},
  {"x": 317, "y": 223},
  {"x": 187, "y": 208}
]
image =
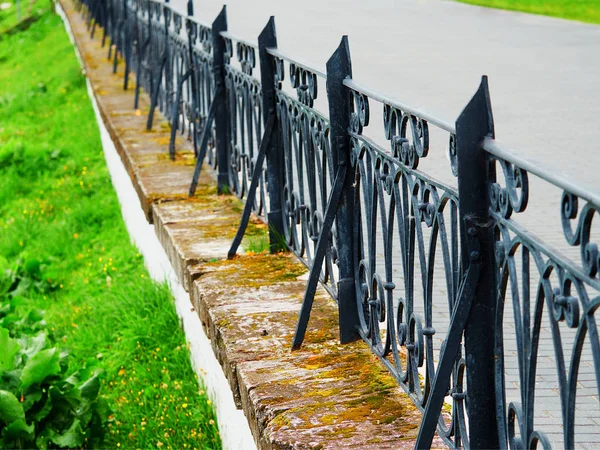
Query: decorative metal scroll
[
  {"x": 245, "y": 122},
  {"x": 162, "y": 46},
  {"x": 178, "y": 104},
  {"x": 200, "y": 99},
  {"x": 116, "y": 15},
  {"x": 139, "y": 55},
  {"x": 158, "y": 54},
  {"x": 541, "y": 288},
  {"x": 309, "y": 172},
  {"x": 154, "y": 45},
  {"x": 406, "y": 245}
]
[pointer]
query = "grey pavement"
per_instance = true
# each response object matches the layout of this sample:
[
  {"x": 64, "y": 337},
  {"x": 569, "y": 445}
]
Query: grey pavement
[
  {"x": 543, "y": 72},
  {"x": 544, "y": 77}
]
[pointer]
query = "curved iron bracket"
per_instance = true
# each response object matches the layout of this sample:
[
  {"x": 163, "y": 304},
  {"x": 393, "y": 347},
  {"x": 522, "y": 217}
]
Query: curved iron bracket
[
  {"x": 204, "y": 140},
  {"x": 315, "y": 270},
  {"x": 265, "y": 143},
  {"x": 451, "y": 345}
]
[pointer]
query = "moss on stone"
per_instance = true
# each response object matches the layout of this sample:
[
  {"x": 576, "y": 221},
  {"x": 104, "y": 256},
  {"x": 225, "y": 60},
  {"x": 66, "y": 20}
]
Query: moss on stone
[
  {"x": 182, "y": 158},
  {"x": 223, "y": 323},
  {"x": 360, "y": 375},
  {"x": 258, "y": 270}
]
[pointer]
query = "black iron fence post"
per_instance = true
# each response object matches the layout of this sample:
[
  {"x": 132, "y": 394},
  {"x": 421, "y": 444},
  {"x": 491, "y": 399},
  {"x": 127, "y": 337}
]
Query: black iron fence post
[
  {"x": 339, "y": 67},
  {"x": 128, "y": 45},
  {"x": 110, "y": 26},
  {"x": 162, "y": 61},
  {"x": 150, "y": 49},
  {"x": 105, "y": 13},
  {"x": 191, "y": 30},
  {"x": 143, "y": 45},
  {"x": 474, "y": 177},
  {"x": 221, "y": 129},
  {"x": 275, "y": 164}
]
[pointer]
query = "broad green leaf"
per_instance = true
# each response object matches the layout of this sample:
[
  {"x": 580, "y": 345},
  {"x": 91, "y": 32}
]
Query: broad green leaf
[
  {"x": 71, "y": 438},
  {"x": 16, "y": 302},
  {"x": 8, "y": 351},
  {"x": 102, "y": 409},
  {"x": 90, "y": 388},
  {"x": 85, "y": 415},
  {"x": 32, "y": 395},
  {"x": 11, "y": 409},
  {"x": 41, "y": 365},
  {"x": 35, "y": 315},
  {"x": 42, "y": 441},
  {"x": 69, "y": 398},
  {"x": 33, "y": 344},
  {"x": 44, "y": 411},
  {"x": 63, "y": 361},
  {"x": 10, "y": 380},
  {"x": 32, "y": 267},
  {"x": 74, "y": 379},
  {"x": 18, "y": 430}
]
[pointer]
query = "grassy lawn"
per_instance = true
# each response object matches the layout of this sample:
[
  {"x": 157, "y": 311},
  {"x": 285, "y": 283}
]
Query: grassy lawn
[
  {"x": 581, "y": 10},
  {"x": 57, "y": 206},
  {"x": 9, "y": 16}
]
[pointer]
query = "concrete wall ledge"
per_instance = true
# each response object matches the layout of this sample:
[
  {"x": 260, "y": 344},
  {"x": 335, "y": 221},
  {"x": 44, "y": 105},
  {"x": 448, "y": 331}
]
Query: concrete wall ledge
[{"x": 323, "y": 396}]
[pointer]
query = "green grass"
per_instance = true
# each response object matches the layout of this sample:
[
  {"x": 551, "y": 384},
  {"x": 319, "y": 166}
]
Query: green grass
[
  {"x": 57, "y": 204},
  {"x": 256, "y": 244},
  {"x": 581, "y": 10},
  {"x": 9, "y": 16}
]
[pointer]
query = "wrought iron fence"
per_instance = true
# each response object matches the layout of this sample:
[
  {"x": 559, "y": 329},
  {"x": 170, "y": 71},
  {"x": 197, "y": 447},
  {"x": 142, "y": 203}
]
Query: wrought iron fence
[{"x": 431, "y": 275}]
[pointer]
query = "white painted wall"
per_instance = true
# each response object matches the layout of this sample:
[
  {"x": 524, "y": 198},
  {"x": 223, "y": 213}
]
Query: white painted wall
[{"x": 233, "y": 426}]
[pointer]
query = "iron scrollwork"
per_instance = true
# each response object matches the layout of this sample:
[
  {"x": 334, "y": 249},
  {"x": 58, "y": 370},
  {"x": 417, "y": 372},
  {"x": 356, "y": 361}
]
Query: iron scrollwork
[
  {"x": 309, "y": 172},
  {"x": 540, "y": 288},
  {"x": 405, "y": 221},
  {"x": 244, "y": 100},
  {"x": 202, "y": 60}
]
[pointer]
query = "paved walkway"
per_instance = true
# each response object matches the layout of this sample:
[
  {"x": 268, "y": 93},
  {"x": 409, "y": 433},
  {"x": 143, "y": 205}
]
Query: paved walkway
[
  {"x": 431, "y": 53},
  {"x": 544, "y": 76}
]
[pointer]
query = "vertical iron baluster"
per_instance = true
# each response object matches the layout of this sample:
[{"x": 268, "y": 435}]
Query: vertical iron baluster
[
  {"x": 221, "y": 129},
  {"x": 118, "y": 42},
  {"x": 105, "y": 22},
  {"x": 128, "y": 44},
  {"x": 275, "y": 164},
  {"x": 161, "y": 70},
  {"x": 475, "y": 176},
  {"x": 340, "y": 207},
  {"x": 142, "y": 48},
  {"x": 339, "y": 67},
  {"x": 191, "y": 30},
  {"x": 475, "y": 308},
  {"x": 110, "y": 26}
]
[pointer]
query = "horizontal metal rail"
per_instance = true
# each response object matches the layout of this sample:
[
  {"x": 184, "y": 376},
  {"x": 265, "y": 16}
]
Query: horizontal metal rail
[
  {"x": 447, "y": 126},
  {"x": 540, "y": 170},
  {"x": 236, "y": 38},
  {"x": 299, "y": 63}
]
